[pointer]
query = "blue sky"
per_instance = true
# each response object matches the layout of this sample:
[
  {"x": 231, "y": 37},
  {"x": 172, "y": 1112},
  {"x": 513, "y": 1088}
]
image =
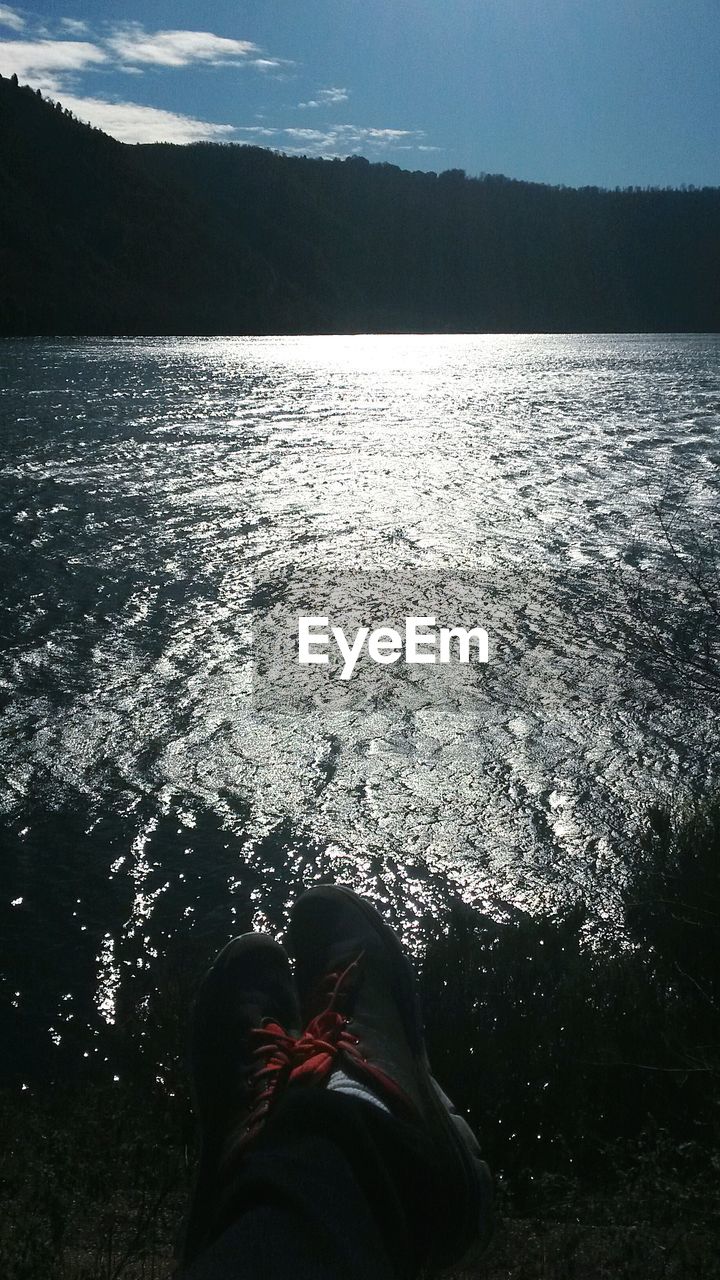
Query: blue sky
[{"x": 612, "y": 92}]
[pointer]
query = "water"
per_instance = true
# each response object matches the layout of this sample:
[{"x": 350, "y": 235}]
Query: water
[{"x": 156, "y": 499}]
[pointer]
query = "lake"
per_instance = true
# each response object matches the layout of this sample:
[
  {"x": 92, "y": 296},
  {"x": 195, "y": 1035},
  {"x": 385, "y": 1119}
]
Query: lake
[{"x": 160, "y": 498}]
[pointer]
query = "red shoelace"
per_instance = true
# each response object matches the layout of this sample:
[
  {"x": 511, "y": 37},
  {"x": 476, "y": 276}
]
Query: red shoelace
[
  {"x": 326, "y": 1045},
  {"x": 274, "y": 1060}
]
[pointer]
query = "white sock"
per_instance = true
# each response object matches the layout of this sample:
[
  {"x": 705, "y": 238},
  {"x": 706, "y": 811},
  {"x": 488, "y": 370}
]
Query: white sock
[{"x": 341, "y": 1083}]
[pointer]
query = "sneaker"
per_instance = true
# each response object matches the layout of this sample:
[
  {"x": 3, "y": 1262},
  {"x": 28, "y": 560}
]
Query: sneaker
[
  {"x": 244, "y": 1025},
  {"x": 361, "y": 1015}
]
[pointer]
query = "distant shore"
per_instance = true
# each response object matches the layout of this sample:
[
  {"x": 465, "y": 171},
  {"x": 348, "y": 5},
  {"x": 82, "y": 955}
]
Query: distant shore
[{"x": 109, "y": 239}]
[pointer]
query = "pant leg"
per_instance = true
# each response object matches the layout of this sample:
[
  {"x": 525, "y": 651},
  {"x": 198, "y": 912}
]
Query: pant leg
[
  {"x": 333, "y": 1189},
  {"x": 319, "y": 1228}
]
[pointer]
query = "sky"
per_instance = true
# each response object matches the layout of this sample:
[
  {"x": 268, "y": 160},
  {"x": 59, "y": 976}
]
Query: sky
[{"x": 602, "y": 92}]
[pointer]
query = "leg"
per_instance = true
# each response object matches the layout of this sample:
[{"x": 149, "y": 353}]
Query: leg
[{"x": 296, "y": 1208}]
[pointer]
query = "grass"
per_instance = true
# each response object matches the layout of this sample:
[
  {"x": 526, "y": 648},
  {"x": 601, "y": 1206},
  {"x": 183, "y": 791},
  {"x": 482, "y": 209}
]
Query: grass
[{"x": 95, "y": 1188}]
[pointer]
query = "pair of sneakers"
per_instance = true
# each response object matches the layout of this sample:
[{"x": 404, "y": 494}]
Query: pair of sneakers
[{"x": 350, "y": 1014}]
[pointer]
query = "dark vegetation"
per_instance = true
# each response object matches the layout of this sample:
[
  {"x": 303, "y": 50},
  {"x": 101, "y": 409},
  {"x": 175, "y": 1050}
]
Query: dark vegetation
[
  {"x": 104, "y": 238},
  {"x": 589, "y": 1062}
]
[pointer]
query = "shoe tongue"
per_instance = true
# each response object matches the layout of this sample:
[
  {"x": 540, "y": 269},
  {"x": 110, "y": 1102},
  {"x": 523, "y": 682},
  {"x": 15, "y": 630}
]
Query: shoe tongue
[{"x": 335, "y": 989}]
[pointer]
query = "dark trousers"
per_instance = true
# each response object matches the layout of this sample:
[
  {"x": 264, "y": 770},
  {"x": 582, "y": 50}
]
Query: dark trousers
[{"x": 333, "y": 1189}]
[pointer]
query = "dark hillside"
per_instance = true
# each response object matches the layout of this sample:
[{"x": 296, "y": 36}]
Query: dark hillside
[
  {"x": 91, "y": 243},
  {"x": 383, "y": 248},
  {"x": 100, "y": 237}
]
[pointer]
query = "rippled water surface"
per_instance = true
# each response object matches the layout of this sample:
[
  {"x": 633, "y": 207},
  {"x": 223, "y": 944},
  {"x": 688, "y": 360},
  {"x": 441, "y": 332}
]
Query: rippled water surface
[{"x": 156, "y": 499}]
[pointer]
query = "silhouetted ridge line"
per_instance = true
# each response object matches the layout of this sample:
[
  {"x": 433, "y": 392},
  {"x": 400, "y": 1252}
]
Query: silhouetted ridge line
[{"x": 100, "y": 237}]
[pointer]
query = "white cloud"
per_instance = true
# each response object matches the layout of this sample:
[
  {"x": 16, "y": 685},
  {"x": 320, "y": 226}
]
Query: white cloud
[
  {"x": 74, "y": 26},
  {"x": 258, "y": 131},
  {"x": 42, "y": 60},
  {"x": 349, "y": 139},
  {"x": 382, "y": 136},
  {"x": 326, "y": 97},
  {"x": 336, "y": 141},
  {"x": 54, "y": 65},
  {"x": 9, "y": 18},
  {"x": 132, "y": 122},
  {"x": 176, "y": 48},
  {"x": 306, "y": 135}
]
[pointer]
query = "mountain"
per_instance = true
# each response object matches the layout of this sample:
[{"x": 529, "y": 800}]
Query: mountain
[{"x": 101, "y": 237}]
